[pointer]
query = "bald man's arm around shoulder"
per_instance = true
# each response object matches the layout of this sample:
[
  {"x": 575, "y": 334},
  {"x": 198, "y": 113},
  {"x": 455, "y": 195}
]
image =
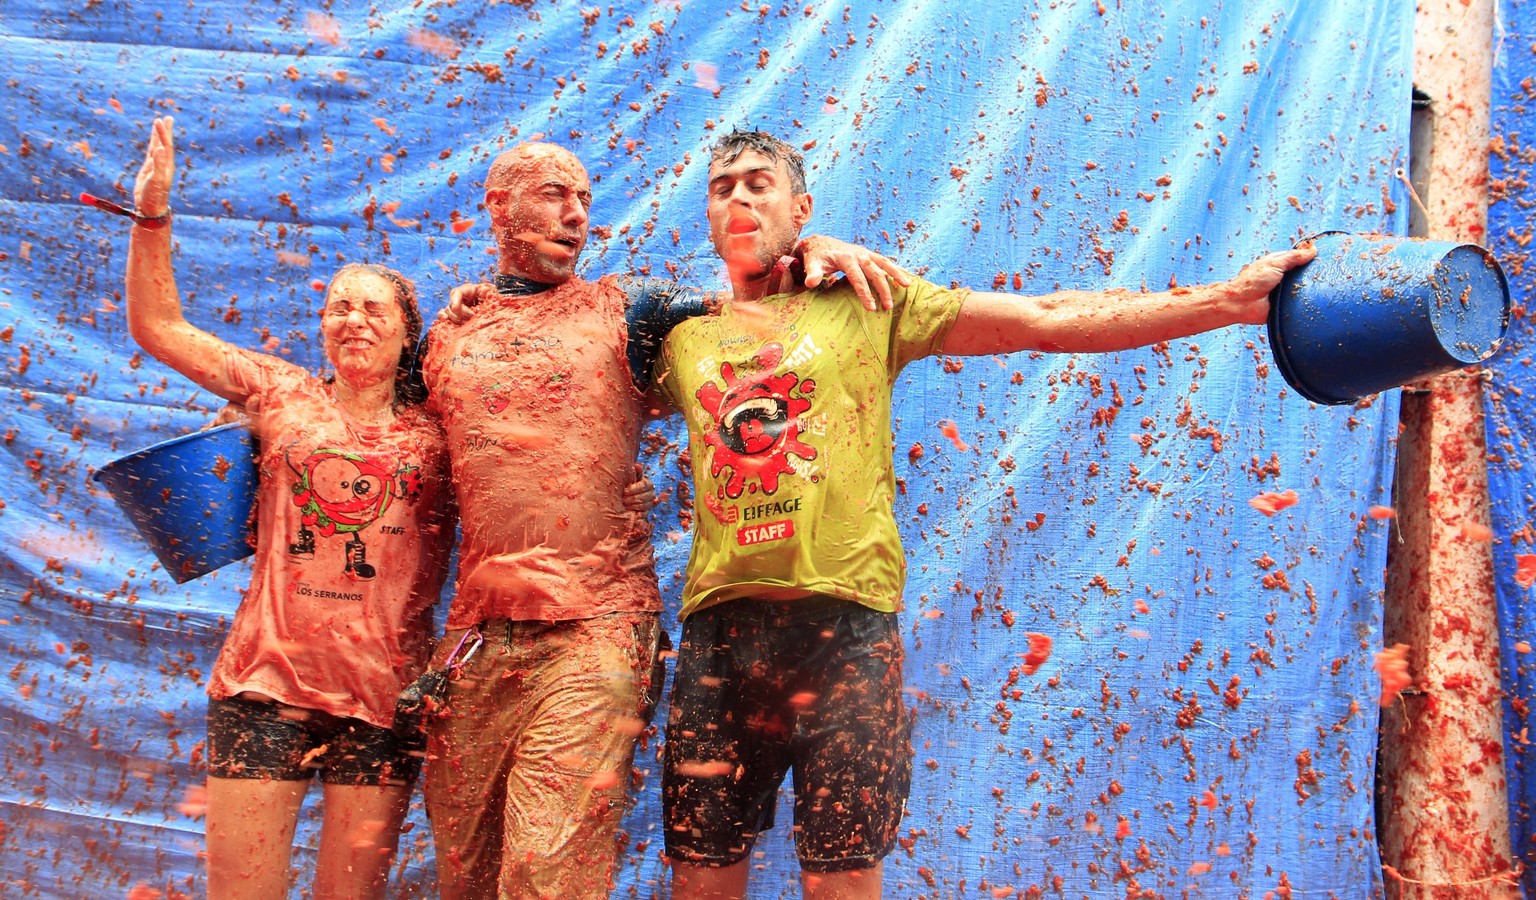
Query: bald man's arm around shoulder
[{"x": 1109, "y": 320}]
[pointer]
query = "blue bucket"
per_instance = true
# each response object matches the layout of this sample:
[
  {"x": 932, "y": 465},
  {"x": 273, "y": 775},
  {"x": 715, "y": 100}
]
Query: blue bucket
[
  {"x": 1373, "y": 312},
  {"x": 190, "y": 498}
]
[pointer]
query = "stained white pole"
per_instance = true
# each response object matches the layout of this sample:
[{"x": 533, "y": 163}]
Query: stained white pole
[{"x": 1444, "y": 825}]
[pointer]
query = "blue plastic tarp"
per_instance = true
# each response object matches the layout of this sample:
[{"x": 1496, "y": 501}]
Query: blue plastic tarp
[
  {"x": 1510, "y": 410},
  {"x": 1206, "y": 722}
]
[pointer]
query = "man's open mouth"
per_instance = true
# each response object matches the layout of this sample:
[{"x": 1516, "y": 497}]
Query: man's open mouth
[
  {"x": 568, "y": 241},
  {"x": 740, "y": 226}
]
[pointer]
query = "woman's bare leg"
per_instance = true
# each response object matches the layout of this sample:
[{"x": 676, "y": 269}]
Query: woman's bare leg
[
  {"x": 250, "y": 836},
  {"x": 358, "y": 838}
]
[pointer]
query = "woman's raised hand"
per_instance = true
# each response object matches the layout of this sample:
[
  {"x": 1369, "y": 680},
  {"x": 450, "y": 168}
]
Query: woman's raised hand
[{"x": 152, "y": 189}]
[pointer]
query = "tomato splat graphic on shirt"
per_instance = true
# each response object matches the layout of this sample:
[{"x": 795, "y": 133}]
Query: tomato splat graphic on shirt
[{"x": 757, "y": 423}]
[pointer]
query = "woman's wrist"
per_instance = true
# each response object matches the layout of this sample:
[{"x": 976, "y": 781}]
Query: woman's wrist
[{"x": 152, "y": 222}]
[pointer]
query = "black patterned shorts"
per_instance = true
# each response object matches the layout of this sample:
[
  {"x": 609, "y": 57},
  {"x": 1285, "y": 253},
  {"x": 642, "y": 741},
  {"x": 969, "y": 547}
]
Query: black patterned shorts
[
  {"x": 266, "y": 739},
  {"x": 763, "y": 687}
]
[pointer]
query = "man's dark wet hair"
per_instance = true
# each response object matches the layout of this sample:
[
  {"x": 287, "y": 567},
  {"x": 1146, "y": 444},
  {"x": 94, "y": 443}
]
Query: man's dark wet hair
[{"x": 727, "y": 149}]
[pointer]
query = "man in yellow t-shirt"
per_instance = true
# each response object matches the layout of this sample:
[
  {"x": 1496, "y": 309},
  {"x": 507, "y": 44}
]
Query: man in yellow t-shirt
[
  {"x": 791, "y": 653},
  {"x": 792, "y": 403}
]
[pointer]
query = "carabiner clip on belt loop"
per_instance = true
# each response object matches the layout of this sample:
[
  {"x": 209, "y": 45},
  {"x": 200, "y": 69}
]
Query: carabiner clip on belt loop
[{"x": 460, "y": 656}]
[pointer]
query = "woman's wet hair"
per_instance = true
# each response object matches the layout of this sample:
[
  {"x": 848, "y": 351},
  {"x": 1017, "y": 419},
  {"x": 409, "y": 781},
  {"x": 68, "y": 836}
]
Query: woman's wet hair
[
  {"x": 410, "y": 389},
  {"x": 726, "y": 150}
]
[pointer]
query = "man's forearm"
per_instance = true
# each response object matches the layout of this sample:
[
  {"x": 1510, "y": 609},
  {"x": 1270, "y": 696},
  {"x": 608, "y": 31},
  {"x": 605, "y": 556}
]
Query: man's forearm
[
  {"x": 1110, "y": 320},
  {"x": 1086, "y": 321}
]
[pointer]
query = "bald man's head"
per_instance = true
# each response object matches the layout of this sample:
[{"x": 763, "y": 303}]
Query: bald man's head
[
  {"x": 538, "y": 196},
  {"x": 514, "y": 166}
]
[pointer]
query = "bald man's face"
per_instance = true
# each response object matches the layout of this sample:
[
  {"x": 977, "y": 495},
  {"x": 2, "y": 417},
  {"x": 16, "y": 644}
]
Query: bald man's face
[{"x": 539, "y": 207}]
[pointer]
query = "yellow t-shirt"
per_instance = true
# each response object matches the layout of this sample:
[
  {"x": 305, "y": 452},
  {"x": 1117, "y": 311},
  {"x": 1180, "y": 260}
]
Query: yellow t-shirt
[{"x": 788, "y": 404}]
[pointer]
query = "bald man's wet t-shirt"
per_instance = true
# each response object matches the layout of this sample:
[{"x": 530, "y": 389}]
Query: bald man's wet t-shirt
[
  {"x": 354, "y": 528},
  {"x": 543, "y": 422},
  {"x": 788, "y": 404}
]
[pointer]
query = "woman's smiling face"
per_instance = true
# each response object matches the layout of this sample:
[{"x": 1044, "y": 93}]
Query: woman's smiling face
[{"x": 364, "y": 328}]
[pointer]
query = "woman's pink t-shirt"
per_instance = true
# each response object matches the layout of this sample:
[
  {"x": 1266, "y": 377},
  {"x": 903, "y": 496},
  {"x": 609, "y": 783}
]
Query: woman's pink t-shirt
[{"x": 354, "y": 525}]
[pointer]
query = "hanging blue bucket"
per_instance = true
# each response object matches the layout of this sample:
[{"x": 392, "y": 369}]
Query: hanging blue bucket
[
  {"x": 190, "y": 498},
  {"x": 1373, "y": 312}
]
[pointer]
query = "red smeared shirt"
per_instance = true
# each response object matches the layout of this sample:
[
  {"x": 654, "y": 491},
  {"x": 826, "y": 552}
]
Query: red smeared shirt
[
  {"x": 543, "y": 424},
  {"x": 354, "y": 525}
]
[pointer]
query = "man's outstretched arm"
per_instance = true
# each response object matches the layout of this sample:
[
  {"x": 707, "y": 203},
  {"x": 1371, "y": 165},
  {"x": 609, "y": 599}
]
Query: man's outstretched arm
[
  {"x": 1110, "y": 320},
  {"x": 869, "y": 273}
]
